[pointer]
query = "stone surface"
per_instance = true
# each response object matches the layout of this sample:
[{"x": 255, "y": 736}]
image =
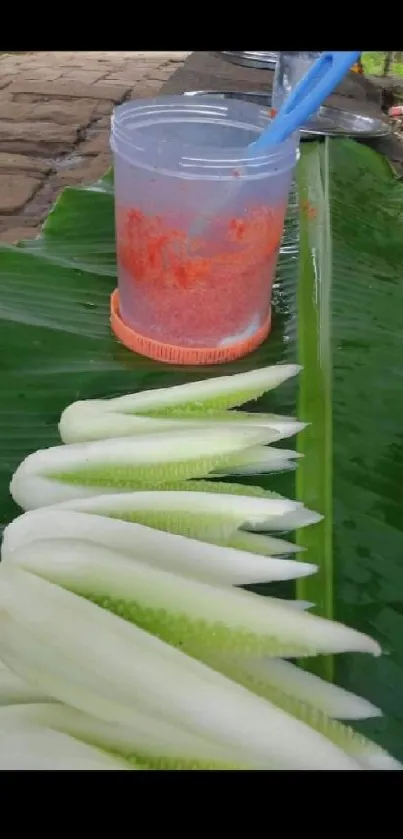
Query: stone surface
[
  {"x": 17, "y": 234},
  {"x": 37, "y": 137},
  {"x": 145, "y": 89},
  {"x": 43, "y": 74},
  {"x": 86, "y": 172},
  {"x": 99, "y": 144},
  {"x": 36, "y": 210},
  {"x": 21, "y": 162},
  {"x": 16, "y": 191},
  {"x": 5, "y": 80},
  {"x": 102, "y": 124},
  {"x": 55, "y": 110},
  {"x": 70, "y": 90},
  {"x": 58, "y": 111}
]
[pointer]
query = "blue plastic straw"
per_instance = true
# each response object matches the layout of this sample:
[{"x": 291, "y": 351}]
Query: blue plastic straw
[{"x": 308, "y": 95}]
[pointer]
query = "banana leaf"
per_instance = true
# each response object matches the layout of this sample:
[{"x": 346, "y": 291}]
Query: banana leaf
[{"x": 337, "y": 309}]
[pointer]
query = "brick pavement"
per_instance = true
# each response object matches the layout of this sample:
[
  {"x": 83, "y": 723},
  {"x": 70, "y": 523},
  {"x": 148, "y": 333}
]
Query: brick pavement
[{"x": 54, "y": 123}]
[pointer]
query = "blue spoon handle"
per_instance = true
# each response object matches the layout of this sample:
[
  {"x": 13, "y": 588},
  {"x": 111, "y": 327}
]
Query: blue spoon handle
[{"x": 320, "y": 80}]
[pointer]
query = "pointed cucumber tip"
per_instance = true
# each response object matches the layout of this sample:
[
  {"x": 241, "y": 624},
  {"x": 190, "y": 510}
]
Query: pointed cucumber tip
[
  {"x": 381, "y": 760},
  {"x": 307, "y": 568},
  {"x": 365, "y": 644}
]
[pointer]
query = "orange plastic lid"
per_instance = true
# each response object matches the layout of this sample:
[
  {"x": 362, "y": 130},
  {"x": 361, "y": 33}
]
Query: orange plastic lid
[{"x": 171, "y": 354}]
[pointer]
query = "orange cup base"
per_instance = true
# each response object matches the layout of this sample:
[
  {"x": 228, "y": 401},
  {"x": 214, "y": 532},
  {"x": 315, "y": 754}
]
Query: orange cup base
[{"x": 171, "y": 354}]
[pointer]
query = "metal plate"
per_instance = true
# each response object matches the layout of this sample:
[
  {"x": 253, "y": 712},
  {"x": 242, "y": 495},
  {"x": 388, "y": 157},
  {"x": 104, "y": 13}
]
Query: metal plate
[
  {"x": 331, "y": 122},
  {"x": 256, "y": 60},
  {"x": 335, "y": 123}
]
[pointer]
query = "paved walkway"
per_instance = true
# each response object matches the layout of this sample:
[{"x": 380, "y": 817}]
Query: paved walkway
[{"x": 55, "y": 109}]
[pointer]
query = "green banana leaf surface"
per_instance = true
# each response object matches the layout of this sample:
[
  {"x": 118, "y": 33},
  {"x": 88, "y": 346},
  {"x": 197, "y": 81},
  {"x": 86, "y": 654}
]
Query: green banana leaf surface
[{"x": 338, "y": 308}]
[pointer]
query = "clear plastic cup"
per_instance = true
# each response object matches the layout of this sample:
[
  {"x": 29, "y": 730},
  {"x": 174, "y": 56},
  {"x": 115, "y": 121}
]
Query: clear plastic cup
[
  {"x": 290, "y": 68},
  {"x": 198, "y": 227}
]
